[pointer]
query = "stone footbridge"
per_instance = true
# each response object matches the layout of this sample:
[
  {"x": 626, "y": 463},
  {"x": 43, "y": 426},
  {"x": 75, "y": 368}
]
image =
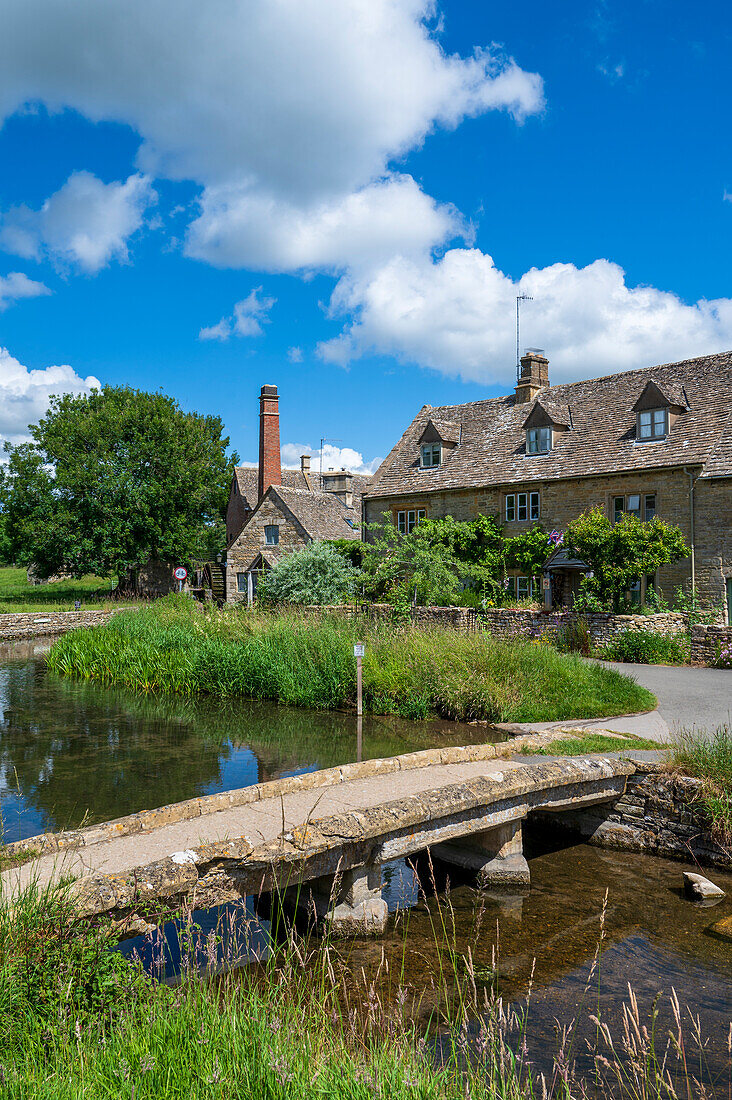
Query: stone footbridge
[{"x": 323, "y": 836}]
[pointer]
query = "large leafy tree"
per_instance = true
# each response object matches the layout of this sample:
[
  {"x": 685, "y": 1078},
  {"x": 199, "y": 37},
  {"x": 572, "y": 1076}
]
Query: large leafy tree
[
  {"x": 114, "y": 478},
  {"x": 618, "y": 554}
]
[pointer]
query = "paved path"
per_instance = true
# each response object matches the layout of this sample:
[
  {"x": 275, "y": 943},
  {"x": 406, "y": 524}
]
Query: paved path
[{"x": 699, "y": 698}]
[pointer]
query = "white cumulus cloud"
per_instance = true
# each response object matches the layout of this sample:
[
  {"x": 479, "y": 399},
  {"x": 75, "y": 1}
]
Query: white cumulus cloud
[
  {"x": 16, "y": 285},
  {"x": 334, "y": 458},
  {"x": 86, "y": 223},
  {"x": 290, "y": 113},
  {"x": 247, "y": 319},
  {"x": 24, "y": 394},
  {"x": 457, "y": 316}
]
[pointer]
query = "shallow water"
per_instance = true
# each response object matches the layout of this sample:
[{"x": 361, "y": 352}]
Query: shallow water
[{"x": 72, "y": 751}]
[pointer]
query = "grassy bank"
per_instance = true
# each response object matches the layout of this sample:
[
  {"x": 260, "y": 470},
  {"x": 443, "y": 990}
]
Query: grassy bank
[
  {"x": 176, "y": 646},
  {"x": 16, "y": 595},
  {"x": 77, "y": 1022},
  {"x": 707, "y": 755}
]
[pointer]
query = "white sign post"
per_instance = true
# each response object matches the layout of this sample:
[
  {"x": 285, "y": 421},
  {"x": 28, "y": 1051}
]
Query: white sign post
[
  {"x": 180, "y": 574},
  {"x": 358, "y": 652}
]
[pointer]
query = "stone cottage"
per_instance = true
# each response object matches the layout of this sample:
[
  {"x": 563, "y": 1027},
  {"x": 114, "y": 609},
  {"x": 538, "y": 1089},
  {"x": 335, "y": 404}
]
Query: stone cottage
[
  {"x": 656, "y": 441},
  {"x": 272, "y": 511}
]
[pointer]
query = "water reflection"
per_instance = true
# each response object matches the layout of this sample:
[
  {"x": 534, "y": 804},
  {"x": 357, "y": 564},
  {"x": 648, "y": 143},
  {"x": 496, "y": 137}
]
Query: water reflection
[{"x": 73, "y": 752}]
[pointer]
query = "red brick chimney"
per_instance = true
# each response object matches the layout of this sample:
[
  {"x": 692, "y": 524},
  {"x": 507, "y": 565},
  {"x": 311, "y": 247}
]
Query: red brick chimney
[{"x": 270, "y": 470}]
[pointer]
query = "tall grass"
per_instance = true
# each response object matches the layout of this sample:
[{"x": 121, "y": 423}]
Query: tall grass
[
  {"x": 79, "y": 1023},
  {"x": 707, "y": 755},
  {"x": 176, "y": 646}
]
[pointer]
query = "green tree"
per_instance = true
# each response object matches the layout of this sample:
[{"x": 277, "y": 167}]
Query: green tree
[
  {"x": 317, "y": 574},
  {"x": 620, "y": 554},
  {"x": 399, "y": 566},
  {"x": 528, "y": 551},
  {"x": 113, "y": 479}
]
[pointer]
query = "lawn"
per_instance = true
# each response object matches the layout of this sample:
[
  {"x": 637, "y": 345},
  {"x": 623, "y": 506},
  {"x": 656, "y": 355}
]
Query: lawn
[
  {"x": 17, "y": 595},
  {"x": 176, "y": 645}
]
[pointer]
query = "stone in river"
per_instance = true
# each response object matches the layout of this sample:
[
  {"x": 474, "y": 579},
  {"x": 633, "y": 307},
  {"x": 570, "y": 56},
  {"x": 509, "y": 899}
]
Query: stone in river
[
  {"x": 722, "y": 928},
  {"x": 700, "y": 888}
]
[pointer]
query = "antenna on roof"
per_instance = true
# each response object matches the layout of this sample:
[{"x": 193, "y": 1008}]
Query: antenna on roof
[
  {"x": 323, "y": 441},
  {"x": 519, "y": 298}
]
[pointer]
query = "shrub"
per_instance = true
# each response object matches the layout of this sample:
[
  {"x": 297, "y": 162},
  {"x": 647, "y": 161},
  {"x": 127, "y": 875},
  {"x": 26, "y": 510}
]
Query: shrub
[
  {"x": 317, "y": 574},
  {"x": 645, "y": 647},
  {"x": 724, "y": 657}
]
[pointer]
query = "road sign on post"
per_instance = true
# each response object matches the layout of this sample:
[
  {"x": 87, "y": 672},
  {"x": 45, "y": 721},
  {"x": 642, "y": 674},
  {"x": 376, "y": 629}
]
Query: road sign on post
[
  {"x": 358, "y": 651},
  {"x": 180, "y": 573}
]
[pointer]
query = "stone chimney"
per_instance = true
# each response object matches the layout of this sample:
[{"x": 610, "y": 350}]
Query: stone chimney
[
  {"x": 534, "y": 375},
  {"x": 305, "y": 464},
  {"x": 270, "y": 470},
  {"x": 340, "y": 483}
]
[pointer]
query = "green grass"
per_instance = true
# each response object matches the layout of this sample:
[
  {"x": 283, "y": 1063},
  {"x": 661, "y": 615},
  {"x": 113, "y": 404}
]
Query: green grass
[
  {"x": 16, "y": 595},
  {"x": 593, "y": 742},
  {"x": 707, "y": 755},
  {"x": 77, "y": 1022},
  {"x": 178, "y": 646}
]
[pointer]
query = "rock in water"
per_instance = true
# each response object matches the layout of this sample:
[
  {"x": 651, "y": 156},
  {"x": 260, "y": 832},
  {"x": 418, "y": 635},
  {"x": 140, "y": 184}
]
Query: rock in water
[
  {"x": 700, "y": 888},
  {"x": 722, "y": 928}
]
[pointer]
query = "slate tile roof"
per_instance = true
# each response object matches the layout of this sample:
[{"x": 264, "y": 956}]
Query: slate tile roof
[
  {"x": 322, "y": 515},
  {"x": 601, "y": 440}
]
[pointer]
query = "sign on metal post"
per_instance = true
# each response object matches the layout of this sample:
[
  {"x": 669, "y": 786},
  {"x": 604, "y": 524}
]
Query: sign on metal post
[
  {"x": 180, "y": 573},
  {"x": 358, "y": 651}
]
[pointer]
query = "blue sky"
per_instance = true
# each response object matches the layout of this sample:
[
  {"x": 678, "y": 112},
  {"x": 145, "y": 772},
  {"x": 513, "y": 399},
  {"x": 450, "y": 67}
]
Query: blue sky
[{"x": 343, "y": 197}]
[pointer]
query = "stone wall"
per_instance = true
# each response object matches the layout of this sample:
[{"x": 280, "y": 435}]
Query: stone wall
[
  {"x": 34, "y": 623},
  {"x": 659, "y": 814},
  {"x": 506, "y": 622},
  {"x": 707, "y": 641}
]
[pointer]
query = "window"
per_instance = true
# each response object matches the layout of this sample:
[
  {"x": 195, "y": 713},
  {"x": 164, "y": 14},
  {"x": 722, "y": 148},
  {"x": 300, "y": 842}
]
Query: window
[
  {"x": 520, "y": 588},
  {"x": 241, "y": 582},
  {"x": 408, "y": 520},
  {"x": 522, "y": 506},
  {"x": 538, "y": 441},
  {"x": 431, "y": 454},
  {"x": 652, "y": 424},
  {"x": 271, "y": 534},
  {"x": 631, "y": 505}
]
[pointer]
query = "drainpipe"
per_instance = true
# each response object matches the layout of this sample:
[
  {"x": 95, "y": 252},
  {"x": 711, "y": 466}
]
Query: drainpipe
[{"x": 692, "y": 482}]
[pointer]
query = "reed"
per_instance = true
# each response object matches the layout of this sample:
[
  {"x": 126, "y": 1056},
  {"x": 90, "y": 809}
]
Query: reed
[{"x": 177, "y": 646}]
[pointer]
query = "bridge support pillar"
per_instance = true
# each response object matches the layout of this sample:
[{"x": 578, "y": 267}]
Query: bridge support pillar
[
  {"x": 361, "y": 910},
  {"x": 496, "y": 855},
  {"x": 349, "y": 903}
]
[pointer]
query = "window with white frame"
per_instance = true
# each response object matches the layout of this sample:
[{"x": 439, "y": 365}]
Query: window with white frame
[
  {"x": 521, "y": 588},
  {"x": 408, "y": 520},
  {"x": 523, "y": 507},
  {"x": 538, "y": 441},
  {"x": 431, "y": 454},
  {"x": 653, "y": 424},
  {"x": 271, "y": 534},
  {"x": 641, "y": 505}
]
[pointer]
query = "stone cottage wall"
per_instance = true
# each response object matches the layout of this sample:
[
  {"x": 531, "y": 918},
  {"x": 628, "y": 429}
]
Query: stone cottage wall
[{"x": 707, "y": 641}]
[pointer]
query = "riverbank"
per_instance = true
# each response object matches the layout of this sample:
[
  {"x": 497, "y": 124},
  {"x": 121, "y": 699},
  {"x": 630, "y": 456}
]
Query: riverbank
[{"x": 178, "y": 646}]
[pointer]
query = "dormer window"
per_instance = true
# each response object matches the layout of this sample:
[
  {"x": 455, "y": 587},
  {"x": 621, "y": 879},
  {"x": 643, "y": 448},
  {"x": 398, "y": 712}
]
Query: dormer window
[
  {"x": 653, "y": 424},
  {"x": 538, "y": 441},
  {"x": 431, "y": 454}
]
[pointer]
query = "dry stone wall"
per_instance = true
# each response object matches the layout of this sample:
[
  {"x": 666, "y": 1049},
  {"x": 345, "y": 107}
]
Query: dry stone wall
[
  {"x": 660, "y": 813},
  {"x": 32, "y": 624},
  {"x": 707, "y": 642}
]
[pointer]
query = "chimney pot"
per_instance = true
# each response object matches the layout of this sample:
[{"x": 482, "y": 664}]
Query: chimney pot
[{"x": 270, "y": 468}]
